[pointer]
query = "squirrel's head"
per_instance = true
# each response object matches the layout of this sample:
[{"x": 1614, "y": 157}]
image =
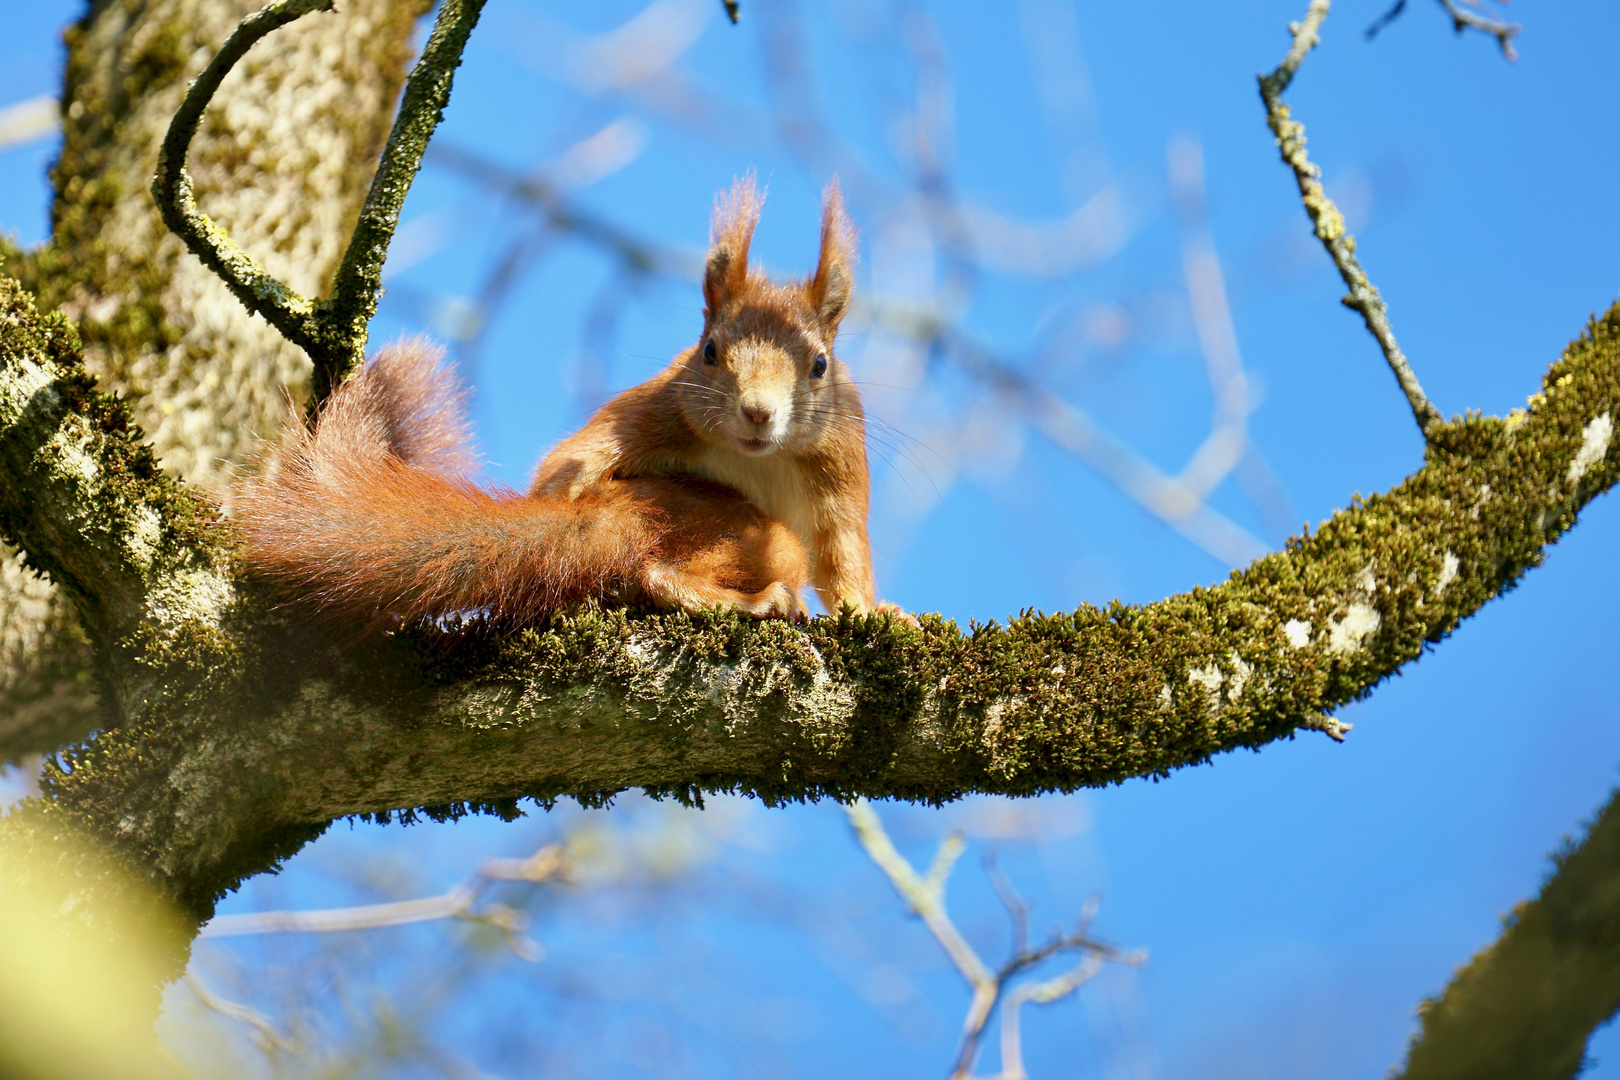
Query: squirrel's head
[{"x": 763, "y": 377}]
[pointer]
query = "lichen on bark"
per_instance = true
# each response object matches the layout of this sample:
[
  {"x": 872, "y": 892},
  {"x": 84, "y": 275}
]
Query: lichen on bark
[
  {"x": 227, "y": 773},
  {"x": 284, "y": 161}
]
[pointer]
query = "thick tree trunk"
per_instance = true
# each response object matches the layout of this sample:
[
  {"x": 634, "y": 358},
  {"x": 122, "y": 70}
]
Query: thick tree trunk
[{"x": 283, "y": 162}]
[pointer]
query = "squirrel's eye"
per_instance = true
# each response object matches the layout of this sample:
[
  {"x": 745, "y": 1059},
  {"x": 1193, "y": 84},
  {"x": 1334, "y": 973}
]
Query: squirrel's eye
[
  {"x": 709, "y": 352},
  {"x": 819, "y": 368}
]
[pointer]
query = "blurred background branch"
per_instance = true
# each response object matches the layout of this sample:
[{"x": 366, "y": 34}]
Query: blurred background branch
[
  {"x": 1465, "y": 15},
  {"x": 924, "y": 895}
]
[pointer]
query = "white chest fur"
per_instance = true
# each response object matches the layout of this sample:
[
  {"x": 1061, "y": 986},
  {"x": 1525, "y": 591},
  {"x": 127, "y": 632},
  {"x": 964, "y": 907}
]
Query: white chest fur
[{"x": 771, "y": 482}]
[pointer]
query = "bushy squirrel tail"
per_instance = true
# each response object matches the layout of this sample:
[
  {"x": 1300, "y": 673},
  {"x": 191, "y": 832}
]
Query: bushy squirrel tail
[{"x": 371, "y": 518}]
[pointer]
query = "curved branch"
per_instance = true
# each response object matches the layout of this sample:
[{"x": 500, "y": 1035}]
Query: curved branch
[
  {"x": 1526, "y": 1006},
  {"x": 1329, "y": 223},
  {"x": 257, "y": 288},
  {"x": 298, "y": 730},
  {"x": 333, "y": 332}
]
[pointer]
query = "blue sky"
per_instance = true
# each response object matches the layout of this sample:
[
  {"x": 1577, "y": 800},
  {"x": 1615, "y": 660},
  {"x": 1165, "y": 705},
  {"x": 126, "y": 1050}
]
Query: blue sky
[{"x": 1297, "y": 902}]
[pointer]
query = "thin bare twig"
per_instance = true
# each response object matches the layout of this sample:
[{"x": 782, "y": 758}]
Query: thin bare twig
[
  {"x": 925, "y": 895},
  {"x": 1327, "y": 725},
  {"x": 549, "y": 863},
  {"x": 1504, "y": 32},
  {"x": 1017, "y": 910},
  {"x": 1329, "y": 223},
  {"x": 1071, "y": 428},
  {"x": 1462, "y": 20},
  {"x": 1228, "y": 437},
  {"x": 266, "y": 1034},
  {"x": 25, "y": 121}
]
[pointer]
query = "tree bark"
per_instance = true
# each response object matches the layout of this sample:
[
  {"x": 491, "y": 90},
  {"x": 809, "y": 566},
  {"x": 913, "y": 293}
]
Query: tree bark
[
  {"x": 283, "y": 162},
  {"x": 236, "y": 730},
  {"x": 242, "y": 732}
]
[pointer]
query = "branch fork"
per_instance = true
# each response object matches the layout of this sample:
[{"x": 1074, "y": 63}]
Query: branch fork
[
  {"x": 333, "y": 331},
  {"x": 1328, "y": 222}
]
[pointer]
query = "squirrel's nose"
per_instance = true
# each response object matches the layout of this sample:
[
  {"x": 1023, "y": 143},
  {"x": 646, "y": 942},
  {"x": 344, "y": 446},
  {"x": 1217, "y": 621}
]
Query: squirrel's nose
[{"x": 759, "y": 414}]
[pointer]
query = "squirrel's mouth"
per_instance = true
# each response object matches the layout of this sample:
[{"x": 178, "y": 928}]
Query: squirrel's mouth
[{"x": 755, "y": 446}]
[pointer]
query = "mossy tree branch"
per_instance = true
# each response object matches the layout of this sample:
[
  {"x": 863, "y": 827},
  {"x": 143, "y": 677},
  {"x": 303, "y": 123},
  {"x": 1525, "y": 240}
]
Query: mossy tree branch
[
  {"x": 220, "y": 769},
  {"x": 332, "y": 332},
  {"x": 1526, "y": 1006},
  {"x": 138, "y": 554}
]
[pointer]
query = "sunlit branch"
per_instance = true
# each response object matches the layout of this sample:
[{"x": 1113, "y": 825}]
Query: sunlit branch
[
  {"x": 359, "y": 276},
  {"x": 550, "y": 863},
  {"x": 1329, "y": 222}
]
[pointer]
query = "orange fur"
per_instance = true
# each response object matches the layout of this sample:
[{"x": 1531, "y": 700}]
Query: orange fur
[
  {"x": 750, "y": 407},
  {"x": 372, "y": 519}
]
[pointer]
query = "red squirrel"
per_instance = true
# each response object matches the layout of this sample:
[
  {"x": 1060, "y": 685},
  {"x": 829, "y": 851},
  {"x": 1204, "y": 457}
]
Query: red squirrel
[
  {"x": 760, "y": 404},
  {"x": 369, "y": 517}
]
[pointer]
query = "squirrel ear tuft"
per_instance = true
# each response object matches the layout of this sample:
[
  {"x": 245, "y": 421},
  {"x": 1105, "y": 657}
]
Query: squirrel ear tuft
[
  {"x": 725, "y": 273},
  {"x": 830, "y": 287}
]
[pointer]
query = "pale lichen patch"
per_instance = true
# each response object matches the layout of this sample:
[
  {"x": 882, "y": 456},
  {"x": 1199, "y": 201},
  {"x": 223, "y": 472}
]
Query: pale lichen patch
[
  {"x": 1209, "y": 677},
  {"x": 25, "y": 379},
  {"x": 1449, "y": 565},
  {"x": 1360, "y": 620},
  {"x": 1219, "y": 687},
  {"x": 828, "y": 703},
  {"x": 1298, "y": 632},
  {"x": 145, "y": 534},
  {"x": 70, "y": 456},
  {"x": 1240, "y": 676},
  {"x": 190, "y": 595},
  {"x": 1594, "y": 447}
]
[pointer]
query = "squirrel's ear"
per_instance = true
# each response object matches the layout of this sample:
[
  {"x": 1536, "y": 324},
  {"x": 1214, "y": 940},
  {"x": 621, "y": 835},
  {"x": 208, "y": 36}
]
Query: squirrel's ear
[
  {"x": 830, "y": 287},
  {"x": 725, "y": 273}
]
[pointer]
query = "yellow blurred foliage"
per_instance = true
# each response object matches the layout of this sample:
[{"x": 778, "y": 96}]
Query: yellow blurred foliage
[{"x": 84, "y": 952}]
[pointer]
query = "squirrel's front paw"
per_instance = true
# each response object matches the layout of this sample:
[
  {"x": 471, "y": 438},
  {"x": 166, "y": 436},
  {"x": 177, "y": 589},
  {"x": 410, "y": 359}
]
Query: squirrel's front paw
[
  {"x": 776, "y": 601},
  {"x": 895, "y": 611}
]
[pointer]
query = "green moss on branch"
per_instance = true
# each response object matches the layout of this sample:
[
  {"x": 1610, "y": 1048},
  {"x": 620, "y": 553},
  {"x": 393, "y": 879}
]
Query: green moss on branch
[
  {"x": 226, "y": 773},
  {"x": 139, "y": 555},
  {"x": 1526, "y": 1006}
]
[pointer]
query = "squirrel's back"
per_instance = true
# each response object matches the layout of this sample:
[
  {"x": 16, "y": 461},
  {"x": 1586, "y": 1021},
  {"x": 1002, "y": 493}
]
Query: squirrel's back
[{"x": 370, "y": 517}]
